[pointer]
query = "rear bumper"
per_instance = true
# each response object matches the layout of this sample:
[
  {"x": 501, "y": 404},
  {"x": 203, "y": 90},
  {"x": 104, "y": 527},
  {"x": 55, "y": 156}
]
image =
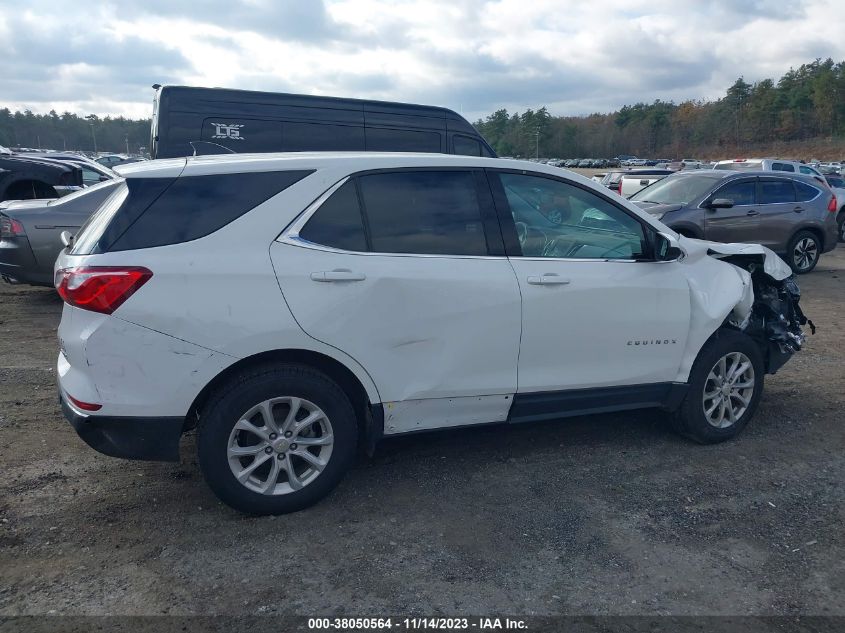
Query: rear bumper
[
  {"x": 18, "y": 265},
  {"x": 152, "y": 439}
]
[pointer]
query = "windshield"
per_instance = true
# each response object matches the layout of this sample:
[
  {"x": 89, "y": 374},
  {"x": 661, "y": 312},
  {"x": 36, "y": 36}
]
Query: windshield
[
  {"x": 85, "y": 191},
  {"x": 678, "y": 189}
]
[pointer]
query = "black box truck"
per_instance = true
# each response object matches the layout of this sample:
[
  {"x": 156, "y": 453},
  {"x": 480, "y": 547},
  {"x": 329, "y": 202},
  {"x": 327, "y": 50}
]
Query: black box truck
[{"x": 197, "y": 121}]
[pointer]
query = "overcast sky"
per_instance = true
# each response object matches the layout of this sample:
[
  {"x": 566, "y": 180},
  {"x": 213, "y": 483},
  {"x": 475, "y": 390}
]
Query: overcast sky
[{"x": 576, "y": 57}]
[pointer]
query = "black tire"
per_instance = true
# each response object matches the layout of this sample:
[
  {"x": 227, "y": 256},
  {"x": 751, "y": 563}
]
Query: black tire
[
  {"x": 794, "y": 260},
  {"x": 246, "y": 390},
  {"x": 840, "y": 225},
  {"x": 690, "y": 419}
]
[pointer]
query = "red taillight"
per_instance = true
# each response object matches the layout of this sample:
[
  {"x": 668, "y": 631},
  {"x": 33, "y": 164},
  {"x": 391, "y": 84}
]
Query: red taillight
[
  {"x": 100, "y": 288},
  {"x": 10, "y": 227},
  {"x": 85, "y": 406},
  {"x": 831, "y": 206},
  {"x": 619, "y": 189}
]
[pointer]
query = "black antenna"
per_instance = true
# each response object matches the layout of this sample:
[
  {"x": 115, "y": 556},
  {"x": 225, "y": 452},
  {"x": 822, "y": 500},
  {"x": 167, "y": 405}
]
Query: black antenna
[{"x": 228, "y": 149}]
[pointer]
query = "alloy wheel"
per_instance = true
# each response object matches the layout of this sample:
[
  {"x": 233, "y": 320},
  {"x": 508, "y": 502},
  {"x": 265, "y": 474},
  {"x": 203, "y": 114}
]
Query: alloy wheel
[
  {"x": 728, "y": 390},
  {"x": 280, "y": 445},
  {"x": 805, "y": 253}
]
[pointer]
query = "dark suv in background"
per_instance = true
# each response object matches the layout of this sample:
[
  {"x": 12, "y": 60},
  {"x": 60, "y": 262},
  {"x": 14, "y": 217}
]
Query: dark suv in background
[{"x": 791, "y": 214}]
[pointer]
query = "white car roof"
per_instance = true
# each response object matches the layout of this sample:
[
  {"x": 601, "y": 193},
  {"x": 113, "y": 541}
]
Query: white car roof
[{"x": 354, "y": 161}]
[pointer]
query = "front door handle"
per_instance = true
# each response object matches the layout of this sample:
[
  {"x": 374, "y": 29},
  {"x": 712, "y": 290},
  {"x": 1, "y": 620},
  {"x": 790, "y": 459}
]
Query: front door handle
[
  {"x": 338, "y": 274},
  {"x": 798, "y": 209},
  {"x": 548, "y": 279},
  {"x": 753, "y": 212}
]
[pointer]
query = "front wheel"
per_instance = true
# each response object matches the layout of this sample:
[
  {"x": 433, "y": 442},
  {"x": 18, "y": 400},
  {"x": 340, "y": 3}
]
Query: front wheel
[
  {"x": 725, "y": 386},
  {"x": 276, "y": 439}
]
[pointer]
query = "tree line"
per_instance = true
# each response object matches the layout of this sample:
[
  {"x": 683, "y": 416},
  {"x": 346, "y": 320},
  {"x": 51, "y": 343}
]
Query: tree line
[
  {"x": 71, "y": 132},
  {"x": 804, "y": 104}
]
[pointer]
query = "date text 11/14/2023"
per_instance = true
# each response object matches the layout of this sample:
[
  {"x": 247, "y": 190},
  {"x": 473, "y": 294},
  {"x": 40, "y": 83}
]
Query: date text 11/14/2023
[{"x": 418, "y": 623}]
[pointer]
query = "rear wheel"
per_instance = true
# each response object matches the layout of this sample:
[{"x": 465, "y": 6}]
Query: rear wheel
[
  {"x": 803, "y": 252},
  {"x": 276, "y": 439},
  {"x": 725, "y": 386}
]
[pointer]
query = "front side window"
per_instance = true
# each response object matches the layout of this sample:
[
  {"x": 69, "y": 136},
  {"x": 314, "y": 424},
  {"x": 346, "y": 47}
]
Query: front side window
[
  {"x": 466, "y": 146},
  {"x": 776, "y": 191},
  {"x": 423, "y": 212},
  {"x": 742, "y": 192},
  {"x": 556, "y": 219}
]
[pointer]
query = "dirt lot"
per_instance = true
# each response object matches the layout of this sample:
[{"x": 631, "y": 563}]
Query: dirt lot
[{"x": 603, "y": 515}]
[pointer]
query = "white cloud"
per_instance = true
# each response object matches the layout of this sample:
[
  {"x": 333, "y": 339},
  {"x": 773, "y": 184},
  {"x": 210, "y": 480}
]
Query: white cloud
[{"x": 574, "y": 57}]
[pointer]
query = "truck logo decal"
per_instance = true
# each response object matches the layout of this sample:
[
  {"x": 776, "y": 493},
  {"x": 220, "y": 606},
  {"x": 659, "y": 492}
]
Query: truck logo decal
[{"x": 228, "y": 130}]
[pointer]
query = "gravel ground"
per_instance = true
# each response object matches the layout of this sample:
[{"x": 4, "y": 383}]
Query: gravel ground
[{"x": 609, "y": 514}]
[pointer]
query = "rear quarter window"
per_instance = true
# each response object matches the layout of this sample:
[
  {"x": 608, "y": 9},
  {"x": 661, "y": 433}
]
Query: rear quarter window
[
  {"x": 196, "y": 206},
  {"x": 148, "y": 212},
  {"x": 805, "y": 192}
]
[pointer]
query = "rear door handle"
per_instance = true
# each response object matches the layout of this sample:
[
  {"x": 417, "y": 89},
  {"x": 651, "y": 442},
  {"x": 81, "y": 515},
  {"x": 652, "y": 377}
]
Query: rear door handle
[
  {"x": 338, "y": 275},
  {"x": 798, "y": 209},
  {"x": 753, "y": 212},
  {"x": 548, "y": 279}
]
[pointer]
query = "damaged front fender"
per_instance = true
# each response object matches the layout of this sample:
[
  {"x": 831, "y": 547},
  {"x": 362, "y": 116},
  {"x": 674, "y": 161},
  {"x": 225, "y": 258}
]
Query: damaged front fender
[{"x": 769, "y": 310}]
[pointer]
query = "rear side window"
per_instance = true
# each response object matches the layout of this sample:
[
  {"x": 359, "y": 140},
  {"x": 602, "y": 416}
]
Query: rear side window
[
  {"x": 338, "y": 223},
  {"x": 387, "y": 140},
  {"x": 805, "y": 192},
  {"x": 466, "y": 146},
  {"x": 775, "y": 191},
  {"x": 782, "y": 167},
  {"x": 160, "y": 211},
  {"x": 424, "y": 212},
  {"x": 742, "y": 193}
]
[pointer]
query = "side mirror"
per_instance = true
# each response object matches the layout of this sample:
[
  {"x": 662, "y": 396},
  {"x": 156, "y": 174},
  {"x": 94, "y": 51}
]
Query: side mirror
[
  {"x": 66, "y": 238},
  {"x": 667, "y": 248},
  {"x": 720, "y": 203}
]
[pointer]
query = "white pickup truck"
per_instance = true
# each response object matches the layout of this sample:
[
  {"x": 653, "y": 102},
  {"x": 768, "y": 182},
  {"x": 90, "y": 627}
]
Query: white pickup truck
[{"x": 631, "y": 183}]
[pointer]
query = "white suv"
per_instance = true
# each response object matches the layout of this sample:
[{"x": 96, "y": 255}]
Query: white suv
[{"x": 294, "y": 307}]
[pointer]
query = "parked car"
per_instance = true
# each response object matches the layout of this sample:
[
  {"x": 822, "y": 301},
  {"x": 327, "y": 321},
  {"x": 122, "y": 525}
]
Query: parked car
[
  {"x": 611, "y": 179},
  {"x": 315, "y": 301},
  {"x": 585, "y": 163},
  {"x": 837, "y": 185},
  {"x": 791, "y": 214},
  {"x": 113, "y": 160},
  {"x": 30, "y": 232},
  {"x": 637, "y": 179},
  {"x": 25, "y": 177},
  {"x": 769, "y": 164},
  {"x": 92, "y": 171},
  {"x": 192, "y": 121}
]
